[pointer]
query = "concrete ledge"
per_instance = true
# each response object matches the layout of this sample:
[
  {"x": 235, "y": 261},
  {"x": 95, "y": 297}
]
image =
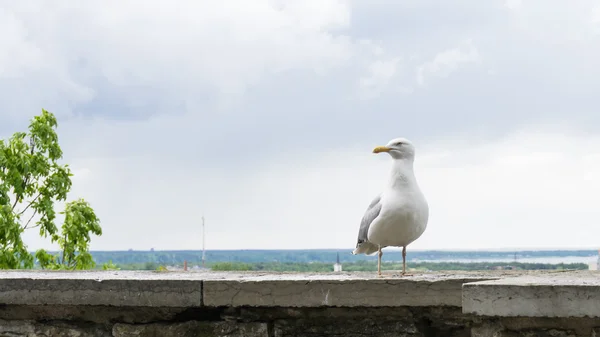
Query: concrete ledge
[
  {"x": 552, "y": 294},
  {"x": 336, "y": 290},
  {"x": 136, "y": 289},
  {"x": 171, "y": 289},
  {"x": 533, "y": 294}
]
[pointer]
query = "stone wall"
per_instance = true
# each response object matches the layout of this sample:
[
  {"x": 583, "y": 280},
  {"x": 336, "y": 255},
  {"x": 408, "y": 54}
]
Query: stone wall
[{"x": 268, "y": 305}]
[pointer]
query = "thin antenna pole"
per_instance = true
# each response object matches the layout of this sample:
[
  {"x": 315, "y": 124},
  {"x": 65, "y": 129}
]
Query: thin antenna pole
[{"x": 203, "y": 244}]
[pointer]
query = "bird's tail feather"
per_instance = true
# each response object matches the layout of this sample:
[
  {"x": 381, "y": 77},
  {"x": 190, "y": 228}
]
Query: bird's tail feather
[{"x": 365, "y": 248}]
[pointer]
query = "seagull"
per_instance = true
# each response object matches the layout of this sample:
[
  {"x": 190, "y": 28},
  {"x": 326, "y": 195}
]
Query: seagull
[{"x": 398, "y": 216}]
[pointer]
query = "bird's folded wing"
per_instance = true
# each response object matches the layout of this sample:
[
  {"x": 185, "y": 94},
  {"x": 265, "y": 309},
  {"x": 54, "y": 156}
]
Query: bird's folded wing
[{"x": 371, "y": 213}]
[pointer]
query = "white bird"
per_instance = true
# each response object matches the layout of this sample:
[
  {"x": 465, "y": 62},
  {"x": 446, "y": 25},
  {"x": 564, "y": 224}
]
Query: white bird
[{"x": 398, "y": 216}]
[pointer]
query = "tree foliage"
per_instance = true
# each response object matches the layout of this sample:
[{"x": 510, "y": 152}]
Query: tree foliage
[
  {"x": 110, "y": 266},
  {"x": 32, "y": 181}
]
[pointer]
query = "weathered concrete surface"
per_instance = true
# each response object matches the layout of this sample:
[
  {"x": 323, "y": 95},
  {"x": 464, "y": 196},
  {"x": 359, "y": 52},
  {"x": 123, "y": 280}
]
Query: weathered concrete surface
[
  {"x": 572, "y": 294},
  {"x": 179, "y": 289},
  {"x": 153, "y": 289},
  {"x": 336, "y": 290}
]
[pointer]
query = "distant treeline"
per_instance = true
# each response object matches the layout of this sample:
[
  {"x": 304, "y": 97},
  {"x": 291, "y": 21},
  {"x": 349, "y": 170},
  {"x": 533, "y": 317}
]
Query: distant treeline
[
  {"x": 372, "y": 266},
  {"x": 274, "y": 259},
  {"x": 363, "y": 266},
  {"x": 327, "y": 256}
]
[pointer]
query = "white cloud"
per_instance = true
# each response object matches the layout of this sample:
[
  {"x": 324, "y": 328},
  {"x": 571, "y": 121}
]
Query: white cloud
[
  {"x": 378, "y": 78},
  {"x": 513, "y": 4},
  {"x": 595, "y": 19},
  {"x": 178, "y": 50},
  {"x": 448, "y": 61},
  {"x": 555, "y": 22}
]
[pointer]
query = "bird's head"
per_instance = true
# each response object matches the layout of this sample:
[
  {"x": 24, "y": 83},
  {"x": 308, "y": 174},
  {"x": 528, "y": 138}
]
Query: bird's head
[{"x": 398, "y": 148}]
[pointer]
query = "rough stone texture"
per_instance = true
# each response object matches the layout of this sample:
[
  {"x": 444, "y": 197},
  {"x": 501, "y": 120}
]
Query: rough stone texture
[
  {"x": 192, "y": 329},
  {"x": 534, "y": 326},
  {"x": 488, "y": 329},
  {"x": 493, "y": 331},
  {"x": 551, "y": 295},
  {"x": 581, "y": 326},
  {"x": 358, "y": 328},
  {"x": 323, "y": 321},
  {"x": 410, "y": 325},
  {"x": 103, "y": 314},
  {"x": 496, "y": 331},
  {"x": 47, "y": 329},
  {"x": 336, "y": 290},
  {"x": 368, "y": 321}
]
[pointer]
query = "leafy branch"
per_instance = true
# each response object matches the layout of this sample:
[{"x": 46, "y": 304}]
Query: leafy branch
[{"x": 30, "y": 170}]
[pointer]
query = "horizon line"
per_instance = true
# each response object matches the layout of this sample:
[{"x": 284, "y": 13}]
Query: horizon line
[{"x": 515, "y": 249}]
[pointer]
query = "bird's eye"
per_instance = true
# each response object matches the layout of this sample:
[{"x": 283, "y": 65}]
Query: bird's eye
[{"x": 399, "y": 144}]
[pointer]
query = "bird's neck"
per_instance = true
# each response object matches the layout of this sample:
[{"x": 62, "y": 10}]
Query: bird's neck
[{"x": 402, "y": 173}]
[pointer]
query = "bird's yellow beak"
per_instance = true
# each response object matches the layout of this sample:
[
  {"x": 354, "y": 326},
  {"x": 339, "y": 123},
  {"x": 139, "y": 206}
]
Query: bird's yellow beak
[{"x": 381, "y": 149}]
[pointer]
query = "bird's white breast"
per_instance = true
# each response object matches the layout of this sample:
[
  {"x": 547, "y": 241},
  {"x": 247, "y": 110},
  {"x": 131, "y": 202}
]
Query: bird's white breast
[{"x": 402, "y": 220}]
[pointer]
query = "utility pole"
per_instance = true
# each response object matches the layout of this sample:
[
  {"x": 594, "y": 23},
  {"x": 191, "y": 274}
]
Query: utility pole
[{"x": 203, "y": 244}]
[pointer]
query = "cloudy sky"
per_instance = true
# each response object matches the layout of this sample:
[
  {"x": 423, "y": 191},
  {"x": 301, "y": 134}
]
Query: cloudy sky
[{"x": 261, "y": 115}]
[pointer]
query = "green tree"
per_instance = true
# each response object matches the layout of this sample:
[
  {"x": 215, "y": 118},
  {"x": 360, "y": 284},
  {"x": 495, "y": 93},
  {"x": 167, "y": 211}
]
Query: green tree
[
  {"x": 110, "y": 266},
  {"x": 31, "y": 182}
]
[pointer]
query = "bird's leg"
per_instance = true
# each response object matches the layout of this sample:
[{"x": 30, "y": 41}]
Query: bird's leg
[
  {"x": 379, "y": 261},
  {"x": 404, "y": 262}
]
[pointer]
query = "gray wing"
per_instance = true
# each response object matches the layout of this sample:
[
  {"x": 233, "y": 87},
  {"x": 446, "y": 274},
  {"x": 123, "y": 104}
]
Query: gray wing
[{"x": 371, "y": 213}]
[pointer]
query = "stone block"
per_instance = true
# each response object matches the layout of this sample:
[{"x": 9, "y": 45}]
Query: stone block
[
  {"x": 124, "y": 289},
  {"x": 548, "y": 295}
]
